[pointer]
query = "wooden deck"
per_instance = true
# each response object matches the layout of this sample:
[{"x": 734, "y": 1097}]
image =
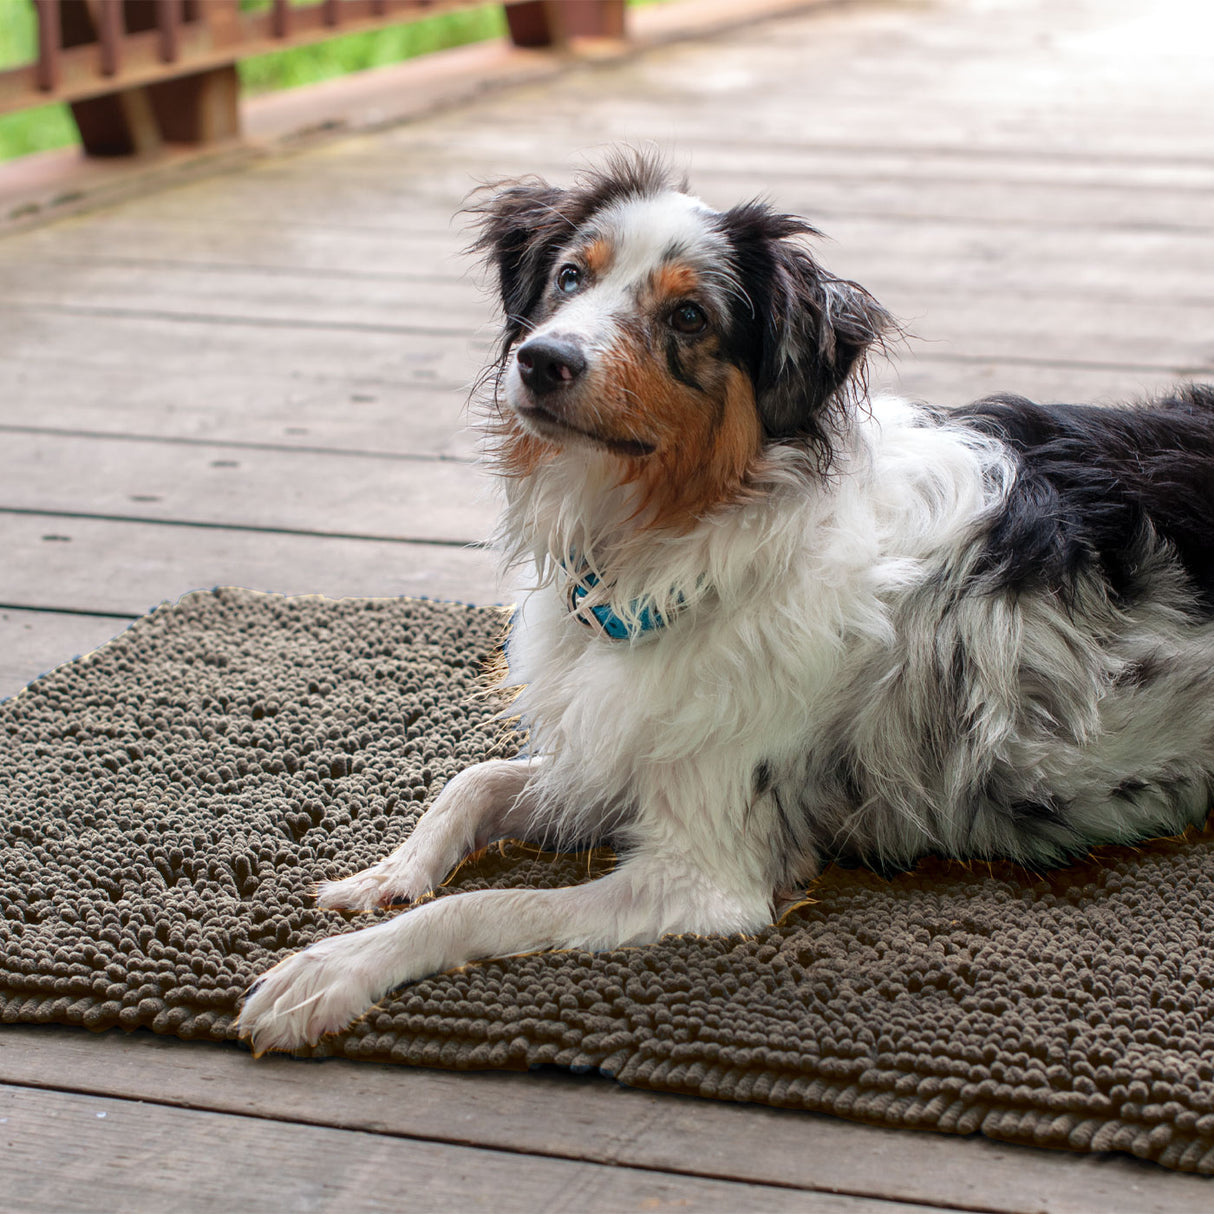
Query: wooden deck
[{"x": 258, "y": 379}]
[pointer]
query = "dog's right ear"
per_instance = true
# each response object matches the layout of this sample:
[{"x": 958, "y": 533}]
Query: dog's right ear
[{"x": 522, "y": 224}]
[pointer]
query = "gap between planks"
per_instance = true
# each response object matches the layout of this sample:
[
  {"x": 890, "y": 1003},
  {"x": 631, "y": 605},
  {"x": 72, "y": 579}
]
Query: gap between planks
[
  {"x": 231, "y": 444},
  {"x": 238, "y": 528}
]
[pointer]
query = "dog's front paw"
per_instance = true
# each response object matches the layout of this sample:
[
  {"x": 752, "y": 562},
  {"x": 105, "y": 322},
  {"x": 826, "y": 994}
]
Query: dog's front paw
[
  {"x": 312, "y": 993},
  {"x": 363, "y": 891},
  {"x": 391, "y": 882}
]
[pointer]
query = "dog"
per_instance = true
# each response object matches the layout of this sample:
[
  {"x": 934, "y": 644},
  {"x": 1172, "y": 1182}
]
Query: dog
[{"x": 774, "y": 622}]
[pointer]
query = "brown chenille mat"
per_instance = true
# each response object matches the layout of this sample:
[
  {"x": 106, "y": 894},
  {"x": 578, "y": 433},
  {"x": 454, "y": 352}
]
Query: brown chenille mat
[{"x": 166, "y": 803}]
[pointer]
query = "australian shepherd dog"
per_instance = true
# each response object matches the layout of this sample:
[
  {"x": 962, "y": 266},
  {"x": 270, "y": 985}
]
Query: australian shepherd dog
[{"x": 773, "y": 621}]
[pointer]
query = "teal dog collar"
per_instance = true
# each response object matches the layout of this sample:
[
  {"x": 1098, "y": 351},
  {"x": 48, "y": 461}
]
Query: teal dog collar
[{"x": 602, "y": 619}]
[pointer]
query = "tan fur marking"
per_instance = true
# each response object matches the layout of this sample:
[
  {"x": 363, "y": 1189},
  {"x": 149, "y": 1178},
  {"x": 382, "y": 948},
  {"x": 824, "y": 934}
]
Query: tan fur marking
[
  {"x": 674, "y": 280},
  {"x": 705, "y": 443},
  {"x": 598, "y": 256}
]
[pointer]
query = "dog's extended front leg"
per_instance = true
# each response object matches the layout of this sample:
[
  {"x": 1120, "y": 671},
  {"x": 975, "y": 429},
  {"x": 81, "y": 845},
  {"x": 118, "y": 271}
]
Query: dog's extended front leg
[
  {"x": 481, "y": 804},
  {"x": 323, "y": 988}
]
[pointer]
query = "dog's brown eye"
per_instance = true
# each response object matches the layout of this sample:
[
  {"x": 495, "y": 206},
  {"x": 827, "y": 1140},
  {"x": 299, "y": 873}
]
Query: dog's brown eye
[
  {"x": 688, "y": 318},
  {"x": 568, "y": 279}
]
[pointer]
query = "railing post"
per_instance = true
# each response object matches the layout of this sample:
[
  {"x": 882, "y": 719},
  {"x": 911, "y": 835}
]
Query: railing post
[
  {"x": 280, "y": 21},
  {"x": 168, "y": 22},
  {"x": 555, "y": 22},
  {"x": 50, "y": 41},
  {"x": 107, "y": 18}
]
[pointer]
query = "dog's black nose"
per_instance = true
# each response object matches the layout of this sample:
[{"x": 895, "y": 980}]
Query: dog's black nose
[{"x": 548, "y": 363}]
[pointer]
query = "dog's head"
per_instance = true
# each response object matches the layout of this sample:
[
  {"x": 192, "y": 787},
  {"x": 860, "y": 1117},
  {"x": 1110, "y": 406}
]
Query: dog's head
[{"x": 682, "y": 340}]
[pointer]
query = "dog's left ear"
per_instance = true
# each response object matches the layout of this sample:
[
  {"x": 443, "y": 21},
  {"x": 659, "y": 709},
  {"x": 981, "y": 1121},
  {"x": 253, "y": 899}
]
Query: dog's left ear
[
  {"x": 522, "y": 226},
  {"x": 809, "y": 332}
]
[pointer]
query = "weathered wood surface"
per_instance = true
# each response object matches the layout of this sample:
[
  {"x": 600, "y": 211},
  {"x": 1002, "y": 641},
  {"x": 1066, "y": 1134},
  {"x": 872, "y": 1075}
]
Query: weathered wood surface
[
  {"x": 298, "y": 491},
  {"x": 555, "y": 1115},
  {"x": 1088, "y": 329},
  {"x": 70, "y": 1152},
  {"x": 259, "y": 379},
  {"x": 86, "y": 564}
]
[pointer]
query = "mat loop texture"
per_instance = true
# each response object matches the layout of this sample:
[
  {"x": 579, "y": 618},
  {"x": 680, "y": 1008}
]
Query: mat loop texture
[{"x": 167, "y": 803}]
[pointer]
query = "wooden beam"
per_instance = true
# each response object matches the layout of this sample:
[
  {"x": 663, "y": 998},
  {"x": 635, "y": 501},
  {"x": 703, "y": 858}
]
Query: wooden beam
[
  {"x": 203, "y": 107},
  {"x": 558, "y": 22},
  {"x": 33, "y": 642},
  {"x": 529, "y": 24},
  {"x": 436, "y": 501},
  {"x": 590, "y": 18}
]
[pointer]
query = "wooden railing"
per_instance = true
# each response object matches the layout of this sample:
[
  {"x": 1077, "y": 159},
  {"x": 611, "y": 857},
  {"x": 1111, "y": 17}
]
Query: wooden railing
[{"x": 139, "y": 73}]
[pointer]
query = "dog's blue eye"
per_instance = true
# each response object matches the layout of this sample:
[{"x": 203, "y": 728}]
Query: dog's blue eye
[
  {"x": 688, "y": 318},
  {"x": 568, "y": 279}
]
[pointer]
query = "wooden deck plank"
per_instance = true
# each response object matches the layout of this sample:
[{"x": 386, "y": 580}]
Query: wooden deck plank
[
  {"x": 80, "y": 564},
  {"x": 815, "y": 154},
  {"x": 840, "y": 122},
  {"x": 375, "y": 420},
  {"x": 157, "y": 343},
  {"x": 453, "y": 306},
  {"x": 1044, "y": 257},
  {"x": 322, "y": 493},
  {"x": 322, "y": 423},
  {"x": 557, "y": 1115},
  {"x": 341, "y": 302},
  {"x": 1068, "y": 268},
  {"x": 957, "y": 81},
  {"x": 123, "y": 1155},
  {"x": 910, "y": 198},
  {"x": 1049, "y": 329},
  {"x": 947, "y": 381},
  {"x": 343, "y": 409},
  {"x": 435, "y": 244},
  {"x": 361, "y": 247},
  {"x": 33, "y": 642}
]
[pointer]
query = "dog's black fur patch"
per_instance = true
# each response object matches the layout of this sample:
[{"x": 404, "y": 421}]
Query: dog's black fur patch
[{"x": 1117, "y": 489}]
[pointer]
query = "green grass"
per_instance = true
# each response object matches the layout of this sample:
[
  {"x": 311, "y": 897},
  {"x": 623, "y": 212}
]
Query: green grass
[
  {"x": 357, "y": 52},
  {"x": 51, "y": 126},
  {"x": 48, "y": 126}
]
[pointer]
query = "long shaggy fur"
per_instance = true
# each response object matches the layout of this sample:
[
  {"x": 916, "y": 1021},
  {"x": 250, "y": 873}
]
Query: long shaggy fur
[{"x": 770, "y": 621}]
